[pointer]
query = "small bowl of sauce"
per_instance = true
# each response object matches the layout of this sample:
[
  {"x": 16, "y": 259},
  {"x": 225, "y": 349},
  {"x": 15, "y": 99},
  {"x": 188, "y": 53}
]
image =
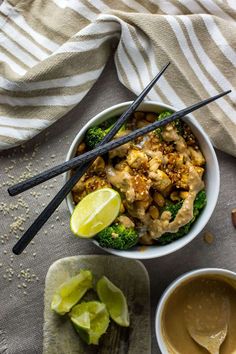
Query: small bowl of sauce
[{"x": 197, "y": 314}]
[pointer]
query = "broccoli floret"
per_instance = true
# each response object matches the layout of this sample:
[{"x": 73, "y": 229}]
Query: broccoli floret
[
  {"x": 180, "y": 126},
  {"x": 161, "y": 116},
  {"x": 178, "y": 123},
  {"x": 200, "y": 200},
  {"x": 173, "y": 208},
  {"x": 94, "y": 135},
  {"x": 117, "y": 236},
  {"x": 198, "y": 205},
  {"x": 108, "y": 123}
]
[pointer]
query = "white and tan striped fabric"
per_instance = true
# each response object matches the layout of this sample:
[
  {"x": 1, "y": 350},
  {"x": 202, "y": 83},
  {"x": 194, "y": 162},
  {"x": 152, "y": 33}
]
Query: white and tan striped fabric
[{"x": 53, "y": 51}]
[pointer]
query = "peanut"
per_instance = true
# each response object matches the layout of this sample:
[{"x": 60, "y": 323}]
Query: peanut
[
  {"x": 159, "y": 199},
  {"x": 151, "y": 117},
  {"x": 183, "y": 194},
  {"x": 139, "y": 115},
  {"x": 154, "y": 212},
  {"x": 175, "y": 196}
]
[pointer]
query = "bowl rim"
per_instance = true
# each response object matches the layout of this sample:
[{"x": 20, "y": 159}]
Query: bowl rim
[
  {"x": 136, "y": 254},
  {"x": 173, "y": 286}
]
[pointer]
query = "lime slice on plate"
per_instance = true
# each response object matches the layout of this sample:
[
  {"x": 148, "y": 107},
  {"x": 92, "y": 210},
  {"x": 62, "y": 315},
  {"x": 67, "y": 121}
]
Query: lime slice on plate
[
  {"x": 95, "y": 212},
  {"x": 71, "y": 291},
  {"x": 91, "y": 320},
  {"x": 114, "y": 300}
]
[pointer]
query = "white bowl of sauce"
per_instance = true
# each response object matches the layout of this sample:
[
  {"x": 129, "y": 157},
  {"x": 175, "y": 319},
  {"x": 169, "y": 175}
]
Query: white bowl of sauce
[
  {"x": 199, "y": 287},
  {"x": 211, "y": 178}
]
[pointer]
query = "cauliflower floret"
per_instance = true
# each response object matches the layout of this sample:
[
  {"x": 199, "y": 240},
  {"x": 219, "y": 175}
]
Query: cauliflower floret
[
  {"x": 120, "y": 151},
  {"x": 79, "y": 187},
  {"x": 123, "y": 167},
  {"x": 126, "y": 221},
  {"x": 160, "y": 180},
  {"x": 184, "y": 181},
  {"x": 141, "y": 186},
  {"x": 199, "y": 170},
  {"x": 138, "y": 208},
  {"x": 154, "y": 163},
  {"x": 93, "y": 183},
  {"x": 196, "y": 157},
  {"x": 98, "y": 165},
  {"x": 137, "y": 159}
]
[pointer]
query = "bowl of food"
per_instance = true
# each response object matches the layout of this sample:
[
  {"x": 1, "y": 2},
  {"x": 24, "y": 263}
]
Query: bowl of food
[
  {"x": 168, "y": 181},
  {"x": 197, "y": 313}
]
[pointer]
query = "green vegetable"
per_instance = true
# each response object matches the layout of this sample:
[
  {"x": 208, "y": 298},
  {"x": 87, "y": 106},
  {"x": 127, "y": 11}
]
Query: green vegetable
[
  {"x": 173, "y": 208},
  {"x": 108, "y": 123},
  {"x": 180, "y": 126},
  {"x": 199, "y": 203},
  {"x": 94, "y": 135},
  {"x": 117, "y": 236},
  {"x": 178, "y": 123}
]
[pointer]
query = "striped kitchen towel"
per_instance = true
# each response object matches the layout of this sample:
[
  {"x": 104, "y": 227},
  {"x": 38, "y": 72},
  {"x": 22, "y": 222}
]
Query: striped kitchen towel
[{"x": 53, "y": 51}]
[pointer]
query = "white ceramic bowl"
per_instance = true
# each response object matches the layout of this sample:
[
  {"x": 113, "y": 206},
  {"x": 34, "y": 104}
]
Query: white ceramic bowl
[
  {"x": 173, "y": 286},
  {"x": 212, "y": 178}
]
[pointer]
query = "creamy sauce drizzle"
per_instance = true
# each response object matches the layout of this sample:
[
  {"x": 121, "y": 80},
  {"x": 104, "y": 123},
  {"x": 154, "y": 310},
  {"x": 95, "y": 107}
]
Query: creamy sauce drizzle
[{"x": 160, "y": 226}]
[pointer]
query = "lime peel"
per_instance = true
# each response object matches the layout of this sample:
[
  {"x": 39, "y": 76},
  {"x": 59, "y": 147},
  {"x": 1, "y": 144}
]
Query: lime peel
[
  {"x": 95, "y": 212},
  {"x": 91, "y": 320},
  {"x": 114, "y": 300},
  {"x": 71, "y": 291}
]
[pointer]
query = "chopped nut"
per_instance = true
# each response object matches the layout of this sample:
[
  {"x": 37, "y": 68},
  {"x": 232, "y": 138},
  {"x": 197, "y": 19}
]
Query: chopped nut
[
  {"x": 154, "y": 212},
  {"x": 151, "y": 117},
  {"x": 139, "y": 115},
  {"x": 114, "y": 235},
  {"x": 159, "y": 199},
  {"x": 175, "y": 196},
  {"x": 142, "y": 123},
  {"x": 233, "y": 215},
  {"x": 127, "y": 222},
  {"x": 81, "y": 148},
  {"x": 183, "y": 194},
  {"x": 122, "y": 208}
]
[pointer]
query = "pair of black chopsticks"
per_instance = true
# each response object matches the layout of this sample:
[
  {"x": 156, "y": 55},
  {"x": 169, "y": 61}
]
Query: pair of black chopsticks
[{"x": 85, "y": 160}]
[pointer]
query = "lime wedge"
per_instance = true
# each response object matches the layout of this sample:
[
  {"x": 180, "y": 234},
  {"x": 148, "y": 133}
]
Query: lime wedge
[
  {"x": 114, "y": 300},
  {"x": 71, "y": 291},
  {"x": 91, "y": 320},
  {"x": 95, "y": 212}
]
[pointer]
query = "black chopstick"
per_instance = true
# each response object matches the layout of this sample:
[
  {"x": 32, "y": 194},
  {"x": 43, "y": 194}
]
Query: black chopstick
[
  {"x": 46, "y": 175},
  {"x": 104, "y": 148},
  {"x": 56, "y": 201}
]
